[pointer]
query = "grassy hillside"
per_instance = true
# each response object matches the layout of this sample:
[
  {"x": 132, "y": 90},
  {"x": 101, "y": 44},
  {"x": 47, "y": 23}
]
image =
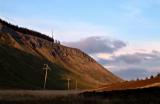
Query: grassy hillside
[
  {"x": 21, "y": 70},
  {"x": 24, "y": 52}
]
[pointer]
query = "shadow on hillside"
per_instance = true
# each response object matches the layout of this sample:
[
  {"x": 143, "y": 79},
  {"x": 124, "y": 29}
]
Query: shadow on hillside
[{"x": 21, "y": 70}]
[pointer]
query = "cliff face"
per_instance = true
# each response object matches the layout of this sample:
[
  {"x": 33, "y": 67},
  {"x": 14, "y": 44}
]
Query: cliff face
[{"x": 66, "y": 62}]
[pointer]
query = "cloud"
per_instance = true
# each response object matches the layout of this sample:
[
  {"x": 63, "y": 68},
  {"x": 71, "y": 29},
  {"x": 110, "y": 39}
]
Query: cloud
[
  {"x": 95, "y": 44},
  {"x": 134, "y": 73},
  {"x": 135, "y": 58},
  {"x": 131, "y": 66},
  {"x": 123, "y": 60}
]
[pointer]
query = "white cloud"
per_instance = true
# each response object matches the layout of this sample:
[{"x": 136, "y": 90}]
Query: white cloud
[
  {"x": 142, "y": 47},
  {"x": 96, "y": 44},
  {"x": 104, "y": 56},
  {"x": 142, "y": 58}
]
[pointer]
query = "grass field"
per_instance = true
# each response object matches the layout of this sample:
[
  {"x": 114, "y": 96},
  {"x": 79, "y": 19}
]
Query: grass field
[{"x": 136, "y": 96}]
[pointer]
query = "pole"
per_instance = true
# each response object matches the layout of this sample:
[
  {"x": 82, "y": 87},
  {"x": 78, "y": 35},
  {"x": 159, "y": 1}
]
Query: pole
[
  {"x": 45, "y": 78},
  {"x": 68, "y": 83},
  {"x": 46, "y": 68},
  {"x": 52, "y": 39},
  {"x": 76, "y": 85}
]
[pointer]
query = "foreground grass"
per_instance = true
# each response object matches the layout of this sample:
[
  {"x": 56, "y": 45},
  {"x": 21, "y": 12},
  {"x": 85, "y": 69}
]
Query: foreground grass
[{"x": 138, "y": 96}]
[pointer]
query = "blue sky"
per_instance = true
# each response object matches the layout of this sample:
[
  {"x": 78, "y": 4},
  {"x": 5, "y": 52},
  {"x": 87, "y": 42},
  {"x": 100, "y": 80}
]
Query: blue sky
[
  {"x": 128, "y": 19},
  {"x": 134, "y": 22}
]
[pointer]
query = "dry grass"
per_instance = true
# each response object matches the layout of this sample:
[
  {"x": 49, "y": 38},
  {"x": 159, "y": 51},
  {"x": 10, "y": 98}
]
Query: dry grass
[
  {"x": 138, "y": 96},
  {"x": 154, "y": 82}
]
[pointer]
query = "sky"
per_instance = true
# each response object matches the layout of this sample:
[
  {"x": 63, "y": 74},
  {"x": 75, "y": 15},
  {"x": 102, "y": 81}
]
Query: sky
[{"x": 122, "y": 35}]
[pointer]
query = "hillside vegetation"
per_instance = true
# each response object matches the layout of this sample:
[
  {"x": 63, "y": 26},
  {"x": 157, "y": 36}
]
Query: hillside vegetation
[
  {"x": 23, "y": 53},
  {"x": 146, "y": 83}
]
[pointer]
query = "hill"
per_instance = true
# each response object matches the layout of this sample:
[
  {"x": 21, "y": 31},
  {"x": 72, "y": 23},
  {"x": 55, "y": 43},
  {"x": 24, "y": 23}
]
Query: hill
[
  {"x": 23, "y": 53},
  {"x": 139, "y": 84}
]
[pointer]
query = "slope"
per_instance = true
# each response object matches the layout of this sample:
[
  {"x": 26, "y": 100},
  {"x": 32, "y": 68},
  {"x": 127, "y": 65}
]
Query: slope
[
  {"x": 153, "y": 82},
  {"x": 23, "y": 53}
]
